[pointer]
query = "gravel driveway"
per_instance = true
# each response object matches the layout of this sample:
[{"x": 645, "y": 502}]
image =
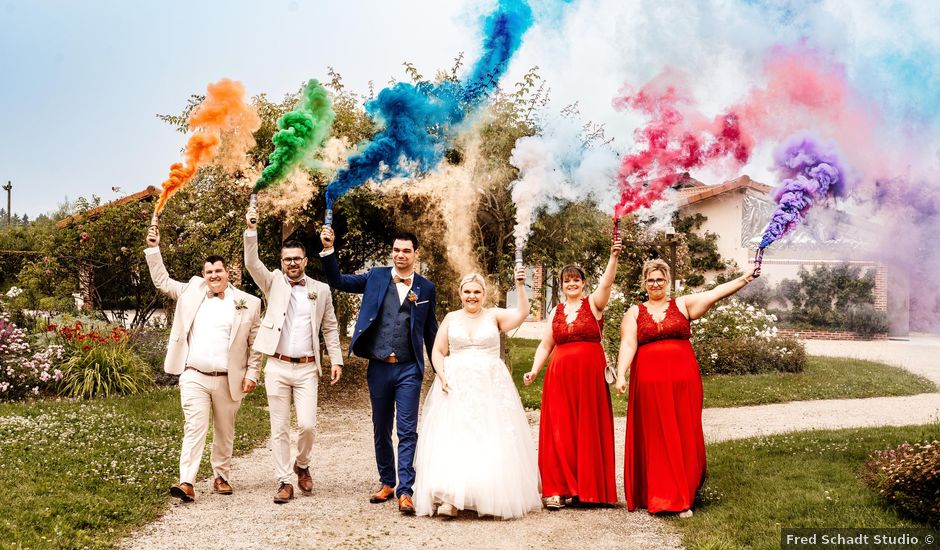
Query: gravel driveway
[{"x": 339, "y": 514}]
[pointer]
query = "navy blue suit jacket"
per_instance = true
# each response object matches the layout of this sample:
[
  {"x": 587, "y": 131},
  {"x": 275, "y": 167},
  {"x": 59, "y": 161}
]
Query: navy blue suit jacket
[{"x": 373, "y": 285}]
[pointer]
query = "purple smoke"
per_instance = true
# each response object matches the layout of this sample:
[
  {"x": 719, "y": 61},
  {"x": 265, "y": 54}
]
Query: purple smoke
[{"x": 812, "y": 172}]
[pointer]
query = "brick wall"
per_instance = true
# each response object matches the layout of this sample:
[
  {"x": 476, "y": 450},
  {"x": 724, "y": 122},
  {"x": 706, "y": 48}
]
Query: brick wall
[
  {"x": 826, "y": 335},
  {"x": 881, "y": 288}
]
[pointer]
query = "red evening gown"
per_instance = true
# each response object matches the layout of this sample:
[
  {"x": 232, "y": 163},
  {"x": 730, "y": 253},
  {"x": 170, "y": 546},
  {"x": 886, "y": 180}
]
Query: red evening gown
[
  {"x": 576, "y": 433},
  {"x": 664, "y": 462}
]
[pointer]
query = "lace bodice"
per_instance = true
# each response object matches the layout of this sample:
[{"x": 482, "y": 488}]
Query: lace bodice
[
  {"x": 674, "y": 325},
  {"x": 477, "y": 335},
  {"x": 584, "y": 328}
]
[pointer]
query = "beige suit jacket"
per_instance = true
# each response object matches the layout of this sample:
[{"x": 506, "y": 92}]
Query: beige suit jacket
[
  {"x": 277, "y": 292},
  {"x": 242, "y": 360}
]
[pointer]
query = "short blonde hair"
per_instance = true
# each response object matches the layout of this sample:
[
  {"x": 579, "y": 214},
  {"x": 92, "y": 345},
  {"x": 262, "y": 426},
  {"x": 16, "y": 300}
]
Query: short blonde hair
[
  {"x": 656, "y": 265},
  {"x": 473, "y": 278}
]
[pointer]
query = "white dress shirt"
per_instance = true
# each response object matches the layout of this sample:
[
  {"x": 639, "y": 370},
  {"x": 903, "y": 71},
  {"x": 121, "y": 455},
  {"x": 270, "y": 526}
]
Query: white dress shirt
[
  {"x": 402, "y": 288},
  {"x": 297, "y": 331},
  {"x": 210, "y": 334}
]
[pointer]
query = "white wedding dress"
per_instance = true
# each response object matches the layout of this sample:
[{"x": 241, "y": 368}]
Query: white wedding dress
[{"x": 475, "y": 448}]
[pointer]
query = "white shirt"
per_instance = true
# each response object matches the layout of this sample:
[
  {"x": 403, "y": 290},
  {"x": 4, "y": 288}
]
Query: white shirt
[
  {"x": 210, "y": 333},
  {"x": 402, "y": 288},
  {"x": 297, "y": 331}
]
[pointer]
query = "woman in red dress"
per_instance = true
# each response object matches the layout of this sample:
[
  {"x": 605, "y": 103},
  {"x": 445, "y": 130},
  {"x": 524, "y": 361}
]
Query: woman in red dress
[
  {"x": 576, "y": 433},
  {"x": 664, "y": 462}
]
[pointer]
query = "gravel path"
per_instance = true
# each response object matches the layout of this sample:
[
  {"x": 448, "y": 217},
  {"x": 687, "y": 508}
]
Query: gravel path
[{"x": 339, "y": 514}]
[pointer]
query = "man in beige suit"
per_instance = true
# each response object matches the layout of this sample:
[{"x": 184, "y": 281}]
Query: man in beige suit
[
  {"x": 298, "y": 308},
  {"x": 214, "y": 326}
]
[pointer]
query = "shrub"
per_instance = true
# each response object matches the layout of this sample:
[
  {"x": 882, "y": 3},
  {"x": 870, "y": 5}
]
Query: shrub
[
  {"x": 906, "y": 477},
  {"x": 105, "y": 370},
  {"x": 150, "y": 344},
  {"x": 736, "y": 338},
  {"x": 866, "y": 320},
  {"x": 25, "y": 372}
]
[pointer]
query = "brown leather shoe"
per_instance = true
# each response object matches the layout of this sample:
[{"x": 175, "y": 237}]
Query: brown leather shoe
[
  {"x": 183, "y": 491},
  {"x": 382, "y": 495},
  {"x": 304, "y": 479},
  {"x": 406, "y": 506},
  {"x": 285, "y": 492},
  {"x": 221, "y": 486}
]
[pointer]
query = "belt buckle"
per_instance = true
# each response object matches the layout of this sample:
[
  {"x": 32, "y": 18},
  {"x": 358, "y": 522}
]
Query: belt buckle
[{"x": 294, "y": 359}]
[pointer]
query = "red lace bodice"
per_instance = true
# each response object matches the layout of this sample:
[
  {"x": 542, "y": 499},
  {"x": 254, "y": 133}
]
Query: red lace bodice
[
  {"x": 674, "y": 325},
  {"x": 585, "y": 327}
]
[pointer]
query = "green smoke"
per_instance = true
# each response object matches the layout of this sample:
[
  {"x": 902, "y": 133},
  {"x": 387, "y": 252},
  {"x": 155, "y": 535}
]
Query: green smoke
[{"x": 300, "y": 132}]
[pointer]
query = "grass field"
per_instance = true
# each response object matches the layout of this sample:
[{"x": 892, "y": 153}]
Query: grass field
[
  {"x": 823, "y": 378},
  {"x": 85, "y": 473}
]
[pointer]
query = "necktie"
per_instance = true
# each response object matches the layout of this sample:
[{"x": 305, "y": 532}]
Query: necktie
[
  {"x": 302, "y": 282},
  {"x": 406, "y": 282}
]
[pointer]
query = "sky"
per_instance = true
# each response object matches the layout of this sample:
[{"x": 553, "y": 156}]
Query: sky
[{"x": 83, "y": 80}]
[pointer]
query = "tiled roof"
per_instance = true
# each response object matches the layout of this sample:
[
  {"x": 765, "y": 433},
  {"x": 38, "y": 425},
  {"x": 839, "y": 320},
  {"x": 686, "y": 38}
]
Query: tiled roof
[
  {"x": 147, "y": 193},
  {"x": 692, "y": 195}
]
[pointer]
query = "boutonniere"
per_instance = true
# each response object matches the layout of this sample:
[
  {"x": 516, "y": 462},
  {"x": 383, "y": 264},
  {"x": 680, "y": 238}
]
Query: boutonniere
[
  {"x": 412, "y": 297},
  {"x": 312, "y": 296},
  {"x": 241, "y": 304}
]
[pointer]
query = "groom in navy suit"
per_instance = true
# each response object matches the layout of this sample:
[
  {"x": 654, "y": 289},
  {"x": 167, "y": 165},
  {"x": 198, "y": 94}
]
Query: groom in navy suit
[{"x": 396, "y": 320}]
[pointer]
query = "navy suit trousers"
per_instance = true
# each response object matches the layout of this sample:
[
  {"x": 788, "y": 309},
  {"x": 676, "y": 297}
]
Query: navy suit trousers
[{"x": 395, "y": 389}]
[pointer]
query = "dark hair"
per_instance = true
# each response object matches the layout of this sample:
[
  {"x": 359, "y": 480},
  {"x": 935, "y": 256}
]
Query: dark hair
[
  {"x": 294, "y": 244},
  {"x": 215, "y": 258},
  {"x": 405, "y": 236},
  {"x": 570, "y": 270}
]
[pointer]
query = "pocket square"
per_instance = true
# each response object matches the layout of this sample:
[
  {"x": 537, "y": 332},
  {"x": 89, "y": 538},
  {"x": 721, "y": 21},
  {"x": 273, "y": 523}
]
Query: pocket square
[{"x": 424, "y": 302}]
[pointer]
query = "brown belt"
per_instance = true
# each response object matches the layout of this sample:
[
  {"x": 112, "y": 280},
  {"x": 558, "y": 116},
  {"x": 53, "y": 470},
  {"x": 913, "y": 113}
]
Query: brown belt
[
  {"x": 390, "y": 359},
  {"x": 217, "y": 373},
  {"x": 287, "y": 359}
]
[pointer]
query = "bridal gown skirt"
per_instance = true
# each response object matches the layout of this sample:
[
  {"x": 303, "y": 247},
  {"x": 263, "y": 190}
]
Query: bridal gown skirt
[{"x": 475, "y": 447}]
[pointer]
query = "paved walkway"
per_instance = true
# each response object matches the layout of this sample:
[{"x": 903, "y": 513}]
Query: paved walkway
[{"x": 339, "y": 515}]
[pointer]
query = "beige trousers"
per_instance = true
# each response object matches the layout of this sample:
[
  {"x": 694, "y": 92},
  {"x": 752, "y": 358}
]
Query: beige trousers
[
  {"x": 284, "y": 382},
  {"x": 204, "y": 396}
]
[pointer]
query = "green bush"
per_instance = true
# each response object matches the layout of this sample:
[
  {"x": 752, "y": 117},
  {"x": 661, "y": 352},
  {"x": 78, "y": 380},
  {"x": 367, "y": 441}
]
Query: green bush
[
  {"x": 906, "y": 477},
  {"x": 749, "y": 356},
  {"x": 150, "y": 345},
  {"x": 866, "y": 320},
  {"x": 103, "y": 371},
  {"x": 738, "y": 338}
]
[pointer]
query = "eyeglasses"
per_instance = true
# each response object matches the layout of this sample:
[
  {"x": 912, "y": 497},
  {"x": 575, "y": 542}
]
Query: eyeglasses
[
  {"x": 294, "y": 260},
  {"x": 656, "y": 282}
]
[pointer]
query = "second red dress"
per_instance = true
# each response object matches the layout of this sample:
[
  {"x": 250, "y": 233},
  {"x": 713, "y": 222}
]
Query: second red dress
[
  {"x": 576, "y": 433},
  {"x": 664, "y": 462}
]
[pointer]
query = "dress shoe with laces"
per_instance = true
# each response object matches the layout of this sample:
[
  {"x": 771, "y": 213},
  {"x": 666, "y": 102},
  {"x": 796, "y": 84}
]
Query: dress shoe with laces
[
  {"x": 285, "y": 492},
  {"x": 221, "y": 486},
  {"x": 382, "y": 495},
  {"x": 304, "y": 479},
  {"x": 183, "y": 491},
  {"x": 406, "y": 506}
]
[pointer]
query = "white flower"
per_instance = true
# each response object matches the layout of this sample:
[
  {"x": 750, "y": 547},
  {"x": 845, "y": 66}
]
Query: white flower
[{"x": 14, "y": 292}]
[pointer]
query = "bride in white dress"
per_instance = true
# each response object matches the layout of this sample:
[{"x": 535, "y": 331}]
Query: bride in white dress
[{"x": 475, "y": 450}]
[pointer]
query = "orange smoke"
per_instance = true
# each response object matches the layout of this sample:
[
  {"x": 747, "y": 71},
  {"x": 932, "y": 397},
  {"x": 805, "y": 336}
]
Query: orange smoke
[{"x": 222, "y": 111}]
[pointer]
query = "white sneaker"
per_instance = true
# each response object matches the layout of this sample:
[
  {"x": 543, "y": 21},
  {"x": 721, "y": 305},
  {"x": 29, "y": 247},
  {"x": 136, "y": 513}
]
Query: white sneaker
[
  {"x": 685, "y": 514},
  {"x": 447, "y": 510}
]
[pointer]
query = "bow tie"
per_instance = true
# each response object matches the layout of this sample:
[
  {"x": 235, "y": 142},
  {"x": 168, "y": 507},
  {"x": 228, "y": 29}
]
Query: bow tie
[
  {"x": 216, "y": 294},
  {"x": 397, "y": 279},
  {"x": 302, "y": 282}
]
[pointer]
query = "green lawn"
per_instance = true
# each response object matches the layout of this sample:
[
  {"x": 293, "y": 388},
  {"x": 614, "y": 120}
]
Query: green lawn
[
  {"x": 808, "y": 479},
  {"x": 824, "y": 378},
  {"x": 83, "y": 474}
]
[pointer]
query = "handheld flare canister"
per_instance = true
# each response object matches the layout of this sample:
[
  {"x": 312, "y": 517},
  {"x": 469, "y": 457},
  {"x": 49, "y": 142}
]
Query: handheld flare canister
[
  {"x": 328, "y": 218},
  {"x": 154, "y": 222},
  {"x": 758, "y": 259},
  {"x": 253, "y": 203}
]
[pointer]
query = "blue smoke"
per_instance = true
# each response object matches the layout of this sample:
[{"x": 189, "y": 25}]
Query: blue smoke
[{"x": 419, "y": 119}]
